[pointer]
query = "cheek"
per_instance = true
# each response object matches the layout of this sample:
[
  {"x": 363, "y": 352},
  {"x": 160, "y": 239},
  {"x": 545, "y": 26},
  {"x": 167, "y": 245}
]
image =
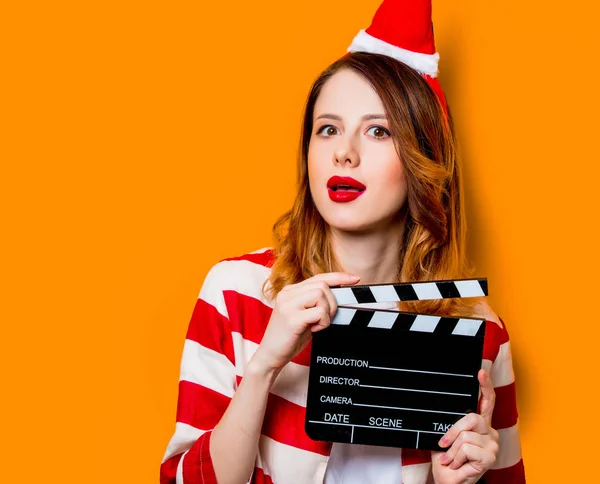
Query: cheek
[
  {"x": 316, "y": 165},
  {"x": 392, "y": 173}
]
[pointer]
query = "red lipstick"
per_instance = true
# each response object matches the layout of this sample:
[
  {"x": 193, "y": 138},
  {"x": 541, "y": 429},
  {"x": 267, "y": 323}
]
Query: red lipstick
[{"x": 344, "y": 189}]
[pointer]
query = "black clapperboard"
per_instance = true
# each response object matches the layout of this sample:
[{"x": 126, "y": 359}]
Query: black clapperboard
[{"x": 392, "y": 378}]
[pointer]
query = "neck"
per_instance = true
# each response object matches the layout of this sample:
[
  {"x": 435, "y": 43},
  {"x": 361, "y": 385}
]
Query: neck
[{"x": 374, "y": 256}]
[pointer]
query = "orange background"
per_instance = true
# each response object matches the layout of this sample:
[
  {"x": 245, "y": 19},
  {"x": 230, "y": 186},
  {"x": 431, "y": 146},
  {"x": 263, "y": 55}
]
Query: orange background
[{"x": 145, "y": 141}]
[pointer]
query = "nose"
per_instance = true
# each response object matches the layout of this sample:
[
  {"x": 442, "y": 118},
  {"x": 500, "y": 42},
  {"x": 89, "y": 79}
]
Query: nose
[{"x": 346, "y": 152}]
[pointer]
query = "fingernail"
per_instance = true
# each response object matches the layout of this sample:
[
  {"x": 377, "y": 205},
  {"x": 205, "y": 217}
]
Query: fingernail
[
  {"x": 354, "y": 277},
  {"x": 444, "y": 458},
  {"x": 443, "y": 441}
]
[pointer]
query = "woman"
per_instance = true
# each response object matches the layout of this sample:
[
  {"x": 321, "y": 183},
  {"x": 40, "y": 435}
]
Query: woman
[{"x": 379, "y": 200}]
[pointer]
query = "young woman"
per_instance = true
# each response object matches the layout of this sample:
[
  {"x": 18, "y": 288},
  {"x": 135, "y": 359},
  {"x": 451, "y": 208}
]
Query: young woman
[{"x": 379, "y": 200}]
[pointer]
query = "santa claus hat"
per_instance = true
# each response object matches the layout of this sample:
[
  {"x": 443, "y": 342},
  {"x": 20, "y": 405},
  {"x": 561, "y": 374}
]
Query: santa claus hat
[{"x": 403, "y": 29}]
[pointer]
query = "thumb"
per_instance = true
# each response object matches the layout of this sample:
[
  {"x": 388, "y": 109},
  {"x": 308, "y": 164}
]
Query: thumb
[
  {"x": 488, "y": 396},
  {"x": 335, "y": 278}
]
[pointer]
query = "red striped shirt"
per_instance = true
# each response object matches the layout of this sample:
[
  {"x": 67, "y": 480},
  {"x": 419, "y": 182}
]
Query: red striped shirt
[{"x": 227, "y": 324}]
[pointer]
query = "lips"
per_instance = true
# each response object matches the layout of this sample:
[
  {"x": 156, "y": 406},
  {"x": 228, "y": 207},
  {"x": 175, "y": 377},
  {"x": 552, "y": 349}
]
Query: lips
[
  {"x": 344, "y": 189},
  {"x": 337, "y": 183}
]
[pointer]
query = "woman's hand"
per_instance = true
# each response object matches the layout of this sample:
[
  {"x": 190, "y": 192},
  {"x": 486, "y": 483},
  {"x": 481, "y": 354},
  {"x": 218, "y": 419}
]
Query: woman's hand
[
  {"x": 299, "y": 310},
  {"x": 474, "y": 443}
]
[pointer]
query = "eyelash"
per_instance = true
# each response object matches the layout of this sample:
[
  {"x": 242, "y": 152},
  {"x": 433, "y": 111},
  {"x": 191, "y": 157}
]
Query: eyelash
[{"x": 320, "y": 130}]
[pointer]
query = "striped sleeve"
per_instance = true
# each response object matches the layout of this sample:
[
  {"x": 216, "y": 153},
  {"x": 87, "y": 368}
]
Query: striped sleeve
[
  {"x": 508, "y": 468},
  {"x": 206, "y": 384}
]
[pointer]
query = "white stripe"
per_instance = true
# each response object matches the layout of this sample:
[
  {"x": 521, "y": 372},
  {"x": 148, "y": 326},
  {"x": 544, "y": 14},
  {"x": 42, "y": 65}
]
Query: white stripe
[
  {"x": 469, "y": 288},
  {"x": 291, "y": 383},
  {"x": 286, "y": 464},
  {"x": 242, "y": 276},
  {"x": 385, "y": 293},
  {"x": 208, "y": 368},
  {"x": 260, "y": 251},
  {"x": 363, "y": 464},
  {"x": 427, "y": 290},
  {"x": 184, "y": 437},
  {"x": 344, "y": 295},
  {"x": 416, "y": 473},
  {"x": 510, "y": 448},
  {"x": 179, "y": 473},
  {"x": 425, "y": 323},
  {"x": 467, "y": 327},
  {"x": 243, "y": 350},
  {"x": 502, "y": 370},
  {"x": 424, "y": 63},
  {"x": 343, "y": 316},
  {"x": 383, "y": 319}
]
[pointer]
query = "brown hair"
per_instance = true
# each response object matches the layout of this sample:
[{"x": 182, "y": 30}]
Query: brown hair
[{"x": 433, "y": 242}]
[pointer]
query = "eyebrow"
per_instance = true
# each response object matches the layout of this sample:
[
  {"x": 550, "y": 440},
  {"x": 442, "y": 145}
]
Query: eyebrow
[{"x": 366, "y": 117}]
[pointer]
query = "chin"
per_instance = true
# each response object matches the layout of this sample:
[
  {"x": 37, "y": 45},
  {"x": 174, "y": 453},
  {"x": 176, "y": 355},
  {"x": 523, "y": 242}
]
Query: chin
[
  {"x": 346, "y": 224},
  {"x": 359, "y": 224}
]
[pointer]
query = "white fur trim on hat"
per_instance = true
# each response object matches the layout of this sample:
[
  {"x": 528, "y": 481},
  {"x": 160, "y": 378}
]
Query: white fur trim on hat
[{"x": 423, "y": 63}]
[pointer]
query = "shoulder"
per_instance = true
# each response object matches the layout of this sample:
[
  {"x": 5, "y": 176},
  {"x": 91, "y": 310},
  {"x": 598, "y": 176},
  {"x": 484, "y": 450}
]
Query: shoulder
[
  {"x": 243, "y": 273},
  {"x": 483, "y": 310},
  {"x": 496, "y": 338},
  {"x": 262, "y": 257}
]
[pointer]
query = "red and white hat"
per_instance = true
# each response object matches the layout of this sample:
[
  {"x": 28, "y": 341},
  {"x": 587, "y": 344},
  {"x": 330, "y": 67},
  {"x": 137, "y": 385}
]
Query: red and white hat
[{"x": 403, "y": 29}]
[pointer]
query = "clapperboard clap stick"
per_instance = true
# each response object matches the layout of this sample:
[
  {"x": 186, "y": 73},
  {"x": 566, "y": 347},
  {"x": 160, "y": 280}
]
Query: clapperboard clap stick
[{"x": 392, "y": 378}]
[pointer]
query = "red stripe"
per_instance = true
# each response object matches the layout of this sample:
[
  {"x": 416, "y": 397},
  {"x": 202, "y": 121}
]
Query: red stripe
[
  {"x": 494, "y": 337},
  {"x": 509, "y": 475},
  {"x": 505, "y": 410},
  {"x": 211, "y": 329},
  {"x": 168, "y": 469},
  {"x": 414, "y": 456},
  {"x": 250, "y": 317},
  {"x": 259, "y": 477},
  {"x": 265, "y": 258},
  {"x": 199, "y": 406},
  {"x": 284, "y": 422},
  {"x": 197, "y": 464}
]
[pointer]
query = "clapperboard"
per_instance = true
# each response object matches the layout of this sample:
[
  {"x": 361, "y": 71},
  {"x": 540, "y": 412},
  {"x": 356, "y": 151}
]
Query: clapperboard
[{"x": 392, "y": 378}]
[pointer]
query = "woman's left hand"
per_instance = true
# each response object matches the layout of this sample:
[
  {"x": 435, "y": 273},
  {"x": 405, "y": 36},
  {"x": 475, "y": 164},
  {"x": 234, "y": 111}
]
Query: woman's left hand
[{"x": 474, "y": 443}]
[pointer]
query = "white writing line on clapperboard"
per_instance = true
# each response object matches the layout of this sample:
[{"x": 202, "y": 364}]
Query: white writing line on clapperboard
[
  {"x": 414, "y": 390},
  {"x": 348, "y": 401},
  {"x": 375, "y": 427},
  {"x": 330, "y": 360},
  {"x": 356, "y": 382},
  {"x": 402, "y": 408},
  {"x": 420, "y": 371}
]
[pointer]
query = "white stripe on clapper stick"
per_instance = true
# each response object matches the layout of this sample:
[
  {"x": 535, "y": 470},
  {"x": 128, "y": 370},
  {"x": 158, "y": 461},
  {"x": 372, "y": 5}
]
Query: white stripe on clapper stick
[
  {"x": 425, "y": 323},
  {"x": 343, "y": 316},
  {"x": 427, "y": 290},
  {"x": 344, "y": 295},
  {"x": 385, "y": 293},
  {"x": 469, "y": 288},
  {"x": 467, "y": 327},
  {"x": 383, "y": 319}
]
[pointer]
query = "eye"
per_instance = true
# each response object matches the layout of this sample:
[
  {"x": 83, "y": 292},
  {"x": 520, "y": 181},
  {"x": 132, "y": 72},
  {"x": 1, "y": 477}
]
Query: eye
[
  {"x": 378, "y": 132},
  {"x": 327, "y": 130}
]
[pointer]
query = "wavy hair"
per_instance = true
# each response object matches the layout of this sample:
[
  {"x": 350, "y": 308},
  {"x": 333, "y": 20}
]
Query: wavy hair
[{"x": 434, "y": 231}]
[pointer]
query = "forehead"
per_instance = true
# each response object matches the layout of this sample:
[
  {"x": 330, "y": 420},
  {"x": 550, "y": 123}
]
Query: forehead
[{"x": 347, "y": 93}]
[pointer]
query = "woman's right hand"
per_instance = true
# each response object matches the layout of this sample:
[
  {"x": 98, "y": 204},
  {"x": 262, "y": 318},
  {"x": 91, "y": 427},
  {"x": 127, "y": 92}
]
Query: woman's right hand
[{"x": 299, "y": 310}]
